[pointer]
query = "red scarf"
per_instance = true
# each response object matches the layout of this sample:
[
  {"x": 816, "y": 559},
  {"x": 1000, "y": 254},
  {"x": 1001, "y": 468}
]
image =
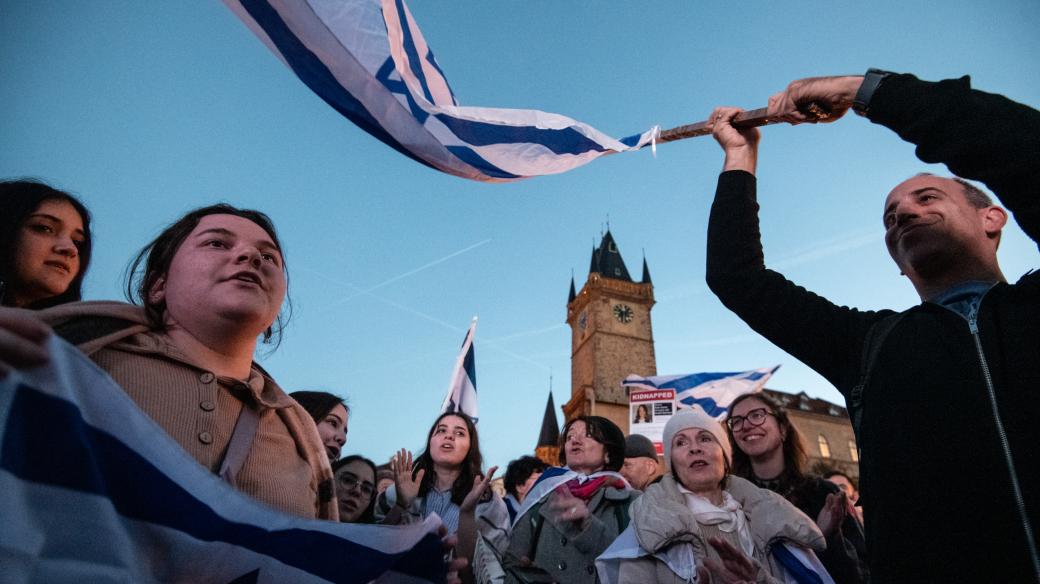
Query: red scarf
[{"x": 586, "y": 490}]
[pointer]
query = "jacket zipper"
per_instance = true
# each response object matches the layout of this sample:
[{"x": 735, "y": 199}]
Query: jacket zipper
[{"x": 1002, "y": 434}]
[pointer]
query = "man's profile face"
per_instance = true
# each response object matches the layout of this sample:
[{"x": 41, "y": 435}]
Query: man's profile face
[
  {"x": 929, "y": 222},
  {"x": 638, "y": 471}
]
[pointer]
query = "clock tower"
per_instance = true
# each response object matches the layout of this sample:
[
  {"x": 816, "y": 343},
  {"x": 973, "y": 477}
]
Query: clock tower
[{"x": 611, "y": 335}]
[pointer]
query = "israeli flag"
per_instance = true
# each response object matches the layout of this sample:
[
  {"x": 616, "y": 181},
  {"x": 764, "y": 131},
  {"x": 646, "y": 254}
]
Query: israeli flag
[
  {"x": 95, "y": 491},
  {"x": 713, "y": 392},
  {"x": 369, "y": 61},
  {"x": 462, "y": 390}
]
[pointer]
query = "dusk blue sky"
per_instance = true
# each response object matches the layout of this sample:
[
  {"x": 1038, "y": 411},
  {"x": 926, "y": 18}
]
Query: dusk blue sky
[{"x": 149, "y": 109}]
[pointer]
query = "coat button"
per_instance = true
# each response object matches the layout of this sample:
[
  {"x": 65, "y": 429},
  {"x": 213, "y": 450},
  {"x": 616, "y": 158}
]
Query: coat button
[
  {"x": 206, "y": 438},
  {"x": 589, "y": 569},
  {"x": 206, "y": 377},
  {"x": 207, "y": 406},
  {"x": 563, "y": 540},
  {"x": 562, "y": 565}
]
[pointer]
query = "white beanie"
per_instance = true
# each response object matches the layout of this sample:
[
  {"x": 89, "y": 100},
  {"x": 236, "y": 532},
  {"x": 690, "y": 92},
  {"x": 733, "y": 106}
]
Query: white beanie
[{"x": 694, "y": 417}]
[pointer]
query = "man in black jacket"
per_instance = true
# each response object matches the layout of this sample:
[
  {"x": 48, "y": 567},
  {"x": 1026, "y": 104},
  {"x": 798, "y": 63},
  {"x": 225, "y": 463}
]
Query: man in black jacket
[{"x": 949, "y": 390}]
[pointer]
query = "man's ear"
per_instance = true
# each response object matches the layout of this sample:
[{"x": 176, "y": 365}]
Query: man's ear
[
  {"x": 993, "y": 220},
  {"x": 158, "y": 292}
]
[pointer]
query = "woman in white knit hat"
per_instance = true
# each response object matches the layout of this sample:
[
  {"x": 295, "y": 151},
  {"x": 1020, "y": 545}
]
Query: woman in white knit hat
[{"x": 700, "y": 524}]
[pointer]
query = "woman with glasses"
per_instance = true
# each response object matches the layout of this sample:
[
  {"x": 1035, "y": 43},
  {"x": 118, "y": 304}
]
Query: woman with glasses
[
  {"x": 355, "y": 480},
  {"x": 768, "y": 451}
]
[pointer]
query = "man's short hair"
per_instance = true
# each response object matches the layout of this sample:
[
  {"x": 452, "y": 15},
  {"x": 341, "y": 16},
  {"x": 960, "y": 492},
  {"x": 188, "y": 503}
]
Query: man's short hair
[{"x": 519, "y": 470}]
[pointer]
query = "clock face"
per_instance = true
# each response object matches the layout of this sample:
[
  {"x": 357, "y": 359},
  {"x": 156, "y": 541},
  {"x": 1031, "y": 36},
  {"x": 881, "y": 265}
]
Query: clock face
[
  {"x": 583, "y": 320},
  {"x": 623, "y": 313}
]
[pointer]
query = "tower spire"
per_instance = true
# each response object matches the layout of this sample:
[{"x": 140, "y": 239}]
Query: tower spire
[
  {"x": 646, "y": 271},
  {"x": 570, "y": 298}
]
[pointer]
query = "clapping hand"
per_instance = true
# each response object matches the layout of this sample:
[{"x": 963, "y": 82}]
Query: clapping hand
[
  {"x": 565, "y": 507},
  {"x": 480, "y": 486},
  {"x": 406, "y": 485},
  {"x": 733, "y": 565},
  {"x": 835, "y": 507}
]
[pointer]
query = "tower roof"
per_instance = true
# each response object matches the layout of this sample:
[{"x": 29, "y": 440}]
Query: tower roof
[
  {"x": 607, "y": 262},
  {"x": 646, "y": 272},
  {"x": 550, "y": 434},
  {"x": 573, "y": 293}
]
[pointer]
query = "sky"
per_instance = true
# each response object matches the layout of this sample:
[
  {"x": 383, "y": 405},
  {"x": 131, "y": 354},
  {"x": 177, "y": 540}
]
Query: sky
[{"x": 149, "y": 109}]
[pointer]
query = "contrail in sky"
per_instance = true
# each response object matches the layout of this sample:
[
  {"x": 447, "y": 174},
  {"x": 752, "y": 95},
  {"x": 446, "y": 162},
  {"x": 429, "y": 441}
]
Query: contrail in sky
[{"x": 359, "y": 292}]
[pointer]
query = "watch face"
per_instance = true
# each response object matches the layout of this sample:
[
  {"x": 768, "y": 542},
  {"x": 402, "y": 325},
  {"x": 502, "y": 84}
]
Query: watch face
[{"x": 623, "y": 313}]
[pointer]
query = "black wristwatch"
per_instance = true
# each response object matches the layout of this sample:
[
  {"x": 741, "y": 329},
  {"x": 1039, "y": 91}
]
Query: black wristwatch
[{"x": 871, "y": 81}]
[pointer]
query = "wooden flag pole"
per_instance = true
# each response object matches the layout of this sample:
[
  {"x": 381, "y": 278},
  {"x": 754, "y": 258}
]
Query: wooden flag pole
[{"x": 748, "y": 119}]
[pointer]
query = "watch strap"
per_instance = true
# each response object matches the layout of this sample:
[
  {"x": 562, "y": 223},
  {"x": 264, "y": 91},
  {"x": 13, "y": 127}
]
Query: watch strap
[{"x": 871, "y": 81}]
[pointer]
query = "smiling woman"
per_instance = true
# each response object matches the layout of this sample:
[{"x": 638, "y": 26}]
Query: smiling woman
[
  {"x": 213, "y": 283},
  {"x": 45, "y": 245}
]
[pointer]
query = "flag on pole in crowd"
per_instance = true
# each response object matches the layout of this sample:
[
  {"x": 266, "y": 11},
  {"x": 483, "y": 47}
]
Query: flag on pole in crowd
[
  {"x": 462, "y": 390},
  {"x": 369, "y": 61},
  {"x": 713, "y": 392},
  {"x": 94, "y": 490}
]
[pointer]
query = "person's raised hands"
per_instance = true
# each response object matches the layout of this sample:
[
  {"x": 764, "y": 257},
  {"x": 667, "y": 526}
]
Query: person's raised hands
[
  {"x": 815, "y": 99},
  {"x": 406, "y": 485},
  {"x": 480, "y": 486},
  {"x": 739, "y": 144}
]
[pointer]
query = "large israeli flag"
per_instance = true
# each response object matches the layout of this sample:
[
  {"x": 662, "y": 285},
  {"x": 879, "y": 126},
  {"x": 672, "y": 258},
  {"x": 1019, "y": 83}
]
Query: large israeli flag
[
  {"x": 713, "y": 392},
  {"x": 462, "y": 389},
  {"x": 369, "y": 61},
  {"x": 94, "y": 491}
]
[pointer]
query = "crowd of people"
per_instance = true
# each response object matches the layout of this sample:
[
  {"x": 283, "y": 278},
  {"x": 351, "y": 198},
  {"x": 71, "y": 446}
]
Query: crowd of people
[{"x": 734, "y": 501}]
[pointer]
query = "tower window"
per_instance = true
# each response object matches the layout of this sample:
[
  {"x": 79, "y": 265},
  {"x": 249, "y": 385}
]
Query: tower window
[
  {"x": 612, "y": 248},
  {"x": 825, "y": 447},
  {"x": 853, "y": 451},
  {"x": 617, "y": 271}
]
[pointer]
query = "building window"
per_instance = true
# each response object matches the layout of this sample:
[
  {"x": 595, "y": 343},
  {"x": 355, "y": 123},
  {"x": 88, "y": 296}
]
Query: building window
[
  {"x": 825, "y": 447},
  {"x": 853, "y": 451}
]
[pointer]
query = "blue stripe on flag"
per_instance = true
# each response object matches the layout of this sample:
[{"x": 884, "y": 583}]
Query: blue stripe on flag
[
  {"x": 470, "y": 157},
  {"x": 469, "y": 365},
  {"x": 413, "y": 54},
  {"x": 682, "y": 383},
  {"x": 561, "y": 141},
  {"x": 631, "y": 140},
  {"x": 90, "y": 460},
  {"x": 315, "y": 75},
  {"x": 710, "y": 406},
  {"x": 398, "y": 87}
]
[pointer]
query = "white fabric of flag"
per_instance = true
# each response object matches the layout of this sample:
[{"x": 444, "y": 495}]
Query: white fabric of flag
[
  {"x": 713, "y": 392},
  {"x": 462, "y": 390},
  {"x": 95, "y": 491},
  {"x": 369, "y": 61}
]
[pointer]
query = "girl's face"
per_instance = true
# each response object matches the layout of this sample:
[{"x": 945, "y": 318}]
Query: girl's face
[
  {"x": 355, "y": 487},
  {"x": 757, "y": 432},
  {"x": 449, "y": 443},
  {"x": 46, "y": 254},
  {"x": 333, "y": 431}
]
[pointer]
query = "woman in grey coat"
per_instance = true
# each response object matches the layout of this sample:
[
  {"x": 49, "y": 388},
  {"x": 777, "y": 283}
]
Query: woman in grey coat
[
  {"x": 699, "y": 524},
  {"x": 572, "y": 514}
]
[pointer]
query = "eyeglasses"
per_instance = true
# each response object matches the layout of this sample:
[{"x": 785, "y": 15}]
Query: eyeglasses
[
  {"x": 755, "y": 417},
  {"x": 351, "y": 482}
]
